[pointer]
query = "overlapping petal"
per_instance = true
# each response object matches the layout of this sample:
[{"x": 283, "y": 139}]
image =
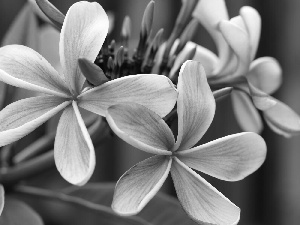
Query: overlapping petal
[
  {"x": 195, "y": 105},
  {"x": 1, "y": 198},
  {"x": 73, "y": 148},
  {"x": 141, "y": 128},
  {"x": 208, "y": 59},
  {"x": 22, "y": 117},
  {"x": 282, "y": 119},
  {"x": 238, "y": 40},
  {"x": 21, "y": 66},
  {"x": 252, "y": 21},
  {"x": 230, "y": 158},
  {"x": 201, "y": 201},
  {"x": 156, "y": 92},
  {"x": 245, "y": 112},
  {"x": 266, "y": 74},
  {"x": 139, "y": 184},
  {"x": 210, "y": 13},
  {"x": 82, "y": 36}
]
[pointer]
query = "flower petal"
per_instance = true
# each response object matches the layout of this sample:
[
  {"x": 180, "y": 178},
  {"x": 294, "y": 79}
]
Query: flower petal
[
  {"x": 266, "y": 74},
  {"x": 252, "y": 21},
  {"x": 84, "y": 30},
  {"x": 230, "y": 158},
  {"x": 1, "y": 198},
  {"x": 195, "y": 105},
  {"x": 261, "y": 100},
  {"x": 22, "y": 117},
  {"x": 23, "y": 67},
  {"x": 282, "y": 119},
  {"x": 210, "y": 13},
  {"x": 156, "y": 92},
  {"x": 238, "y": 40},
  {"x": 246, "y": 114},
  {"x": 201, "y": 201},
  {"x": 139, "y": 185},
  {"x": 73, "y": 148},
  {"x": 207, "y": 58},
  {"x": 141, "y": 128}
]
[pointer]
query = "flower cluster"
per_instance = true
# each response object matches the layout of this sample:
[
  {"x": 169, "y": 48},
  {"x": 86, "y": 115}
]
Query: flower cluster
[{"x": 101, "y": 77}]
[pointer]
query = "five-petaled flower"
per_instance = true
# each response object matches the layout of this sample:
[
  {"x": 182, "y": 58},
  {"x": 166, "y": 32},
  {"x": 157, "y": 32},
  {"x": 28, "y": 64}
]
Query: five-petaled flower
[
  {"x": 237, "y": 42},
  {"x": 83, "y": 33},
  {"x": 229, "y": 158}
]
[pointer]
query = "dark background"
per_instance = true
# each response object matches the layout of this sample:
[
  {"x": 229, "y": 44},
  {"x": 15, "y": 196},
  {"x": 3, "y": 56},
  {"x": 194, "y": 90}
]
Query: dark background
[{"x": 272, "y": 194}]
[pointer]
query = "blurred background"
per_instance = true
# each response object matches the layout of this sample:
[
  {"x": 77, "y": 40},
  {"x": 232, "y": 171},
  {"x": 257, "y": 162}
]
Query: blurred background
[{"x": 272, "y": 194}]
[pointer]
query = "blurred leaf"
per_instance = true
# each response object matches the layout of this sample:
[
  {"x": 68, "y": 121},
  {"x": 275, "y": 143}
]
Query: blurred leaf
[
  {"x": 61, "y": 209},
  {"x": 16, "y": 212},
  {"x": 162, "y": 209}
]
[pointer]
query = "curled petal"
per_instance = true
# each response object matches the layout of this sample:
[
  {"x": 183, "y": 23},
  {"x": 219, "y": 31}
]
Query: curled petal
[
  {"x": 139, "y": 185},
  {"x": 238, "y": 40},
  {"x": 245, "y": 112},
  {"x": 22, "y": 117},
  {"x": 156, "y": 92},
  {"x": 195, "y": 105},
  {"x": 1, "y": 198},
  {"x": 73, "y": 148},
  {"x": 210, "y": 13},
  {"x": 201, "y": 201},
  {"x": 21, "y": 66},
  {"x": 230, "y": 158},
  {"x": 141, "y": 128},
  {"x": 282, "y": 119},
  {"x": 252, "y": 21},
  {"x": 266, "y": 74},
  {"x": 84, "y": 30}
]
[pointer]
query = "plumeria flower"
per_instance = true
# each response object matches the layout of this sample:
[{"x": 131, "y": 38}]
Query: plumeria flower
[
  {"x": 230, "y": 158},
  {"x": 83, "y": 32},
  {"x": 237, "y": 42}
]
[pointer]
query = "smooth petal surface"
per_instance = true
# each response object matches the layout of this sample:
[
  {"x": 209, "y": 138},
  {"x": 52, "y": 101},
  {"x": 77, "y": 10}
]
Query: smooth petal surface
[
  {"x": 238, "y": 39},
  {"x": 207, "y": 58},
  {"x": 282, "y": 119},
  {"x": 246, "y": 114},
  {"x": 1, "y": 199},
  {"x": 210, "y": 13},
  {"x": 73, "y": 148},
  {"x": 201, "y": 201},
  {"x": 230, "y": 158},
  {"x": 195, "y": 105},
  {"x": 156, "y": 92},
  {"x": 266, "y": 74},
  {"x": 141, "y": 128},
  {"x": 22, "y": 117},
  {"x": 252, "y": 21},
  {"x": 23, "y": 67},
  {"x": 260, "y": 99},
  {"x": 84, "y": 30},
  {"x": 139, "y": 184}
]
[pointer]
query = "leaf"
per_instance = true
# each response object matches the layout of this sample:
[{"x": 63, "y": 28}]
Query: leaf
[
  {"x": 18, "y": 213},
  {"x": 162, "y": 209},
  {"x": 61, "y": 209}
]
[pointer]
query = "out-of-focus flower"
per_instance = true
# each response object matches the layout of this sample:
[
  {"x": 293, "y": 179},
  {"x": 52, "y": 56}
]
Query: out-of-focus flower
[
  {"x": 1, "y": 199},
  {"x": 237, "y": 42},
  {"x": 229, "y": 158},
  {"x": 83, "y": 33}
]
